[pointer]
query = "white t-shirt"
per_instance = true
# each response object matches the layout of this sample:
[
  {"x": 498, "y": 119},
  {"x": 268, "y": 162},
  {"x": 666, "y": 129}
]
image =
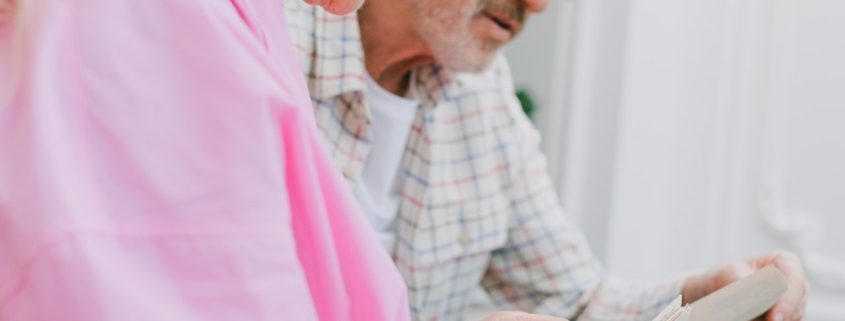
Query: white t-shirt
[{"x": 376, "y": 189}]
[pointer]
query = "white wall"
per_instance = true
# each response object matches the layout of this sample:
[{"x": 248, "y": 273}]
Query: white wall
[
  {"x": 815, "y": 155},
  {"x": 814, "y": 151},
  {"x": 699, "y": 132},
  {"x": 576, "y": 77},
  {"x": 531, "y": 54}
]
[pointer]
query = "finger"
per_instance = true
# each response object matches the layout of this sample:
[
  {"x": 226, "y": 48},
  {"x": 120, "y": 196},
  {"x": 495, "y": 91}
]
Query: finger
[
  {"x": 799, "y": 315},
  {"x": 787, "y": 262},
  {"x": 790, "y": 265},
  {"x": 788, "y": 305},
  {"x": 730, "y": 274}
]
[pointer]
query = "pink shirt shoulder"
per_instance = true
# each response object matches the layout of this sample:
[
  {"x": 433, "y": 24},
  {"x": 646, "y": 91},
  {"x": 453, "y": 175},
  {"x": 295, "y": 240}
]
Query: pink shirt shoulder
[{"x": 158, "y": 162}]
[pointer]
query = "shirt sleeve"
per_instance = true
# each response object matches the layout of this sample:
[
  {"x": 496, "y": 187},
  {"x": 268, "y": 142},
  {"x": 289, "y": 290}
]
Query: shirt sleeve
[{"x": 546, "y": 266}]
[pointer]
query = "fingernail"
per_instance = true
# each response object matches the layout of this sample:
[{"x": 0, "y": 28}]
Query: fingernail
[{"x": 778, "y": 317}]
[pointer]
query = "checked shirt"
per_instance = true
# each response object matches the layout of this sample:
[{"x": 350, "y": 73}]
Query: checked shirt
[{"x": 478, "y": 210}]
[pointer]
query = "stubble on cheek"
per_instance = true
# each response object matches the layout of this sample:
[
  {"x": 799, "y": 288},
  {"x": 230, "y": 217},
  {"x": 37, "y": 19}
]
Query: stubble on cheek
[{"x": 457, "y": 36}]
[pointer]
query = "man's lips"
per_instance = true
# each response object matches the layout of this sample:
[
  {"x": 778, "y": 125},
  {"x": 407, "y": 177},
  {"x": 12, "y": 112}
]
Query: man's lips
[{"x": 504, "y": 22}]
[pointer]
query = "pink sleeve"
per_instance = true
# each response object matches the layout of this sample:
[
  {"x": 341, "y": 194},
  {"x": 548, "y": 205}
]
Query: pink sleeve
[{"x": 158, "y": 162}]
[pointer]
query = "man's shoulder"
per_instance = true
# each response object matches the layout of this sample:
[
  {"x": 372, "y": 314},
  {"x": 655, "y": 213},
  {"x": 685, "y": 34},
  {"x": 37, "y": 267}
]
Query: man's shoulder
[
  {"x": 493, "y": 96},
  {"x": 300, "y": 16},
  {"x": 328, "y": 47},
  {"x": 492, "y": 88}
]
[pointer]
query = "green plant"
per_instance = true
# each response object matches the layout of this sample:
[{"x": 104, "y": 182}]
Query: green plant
[{"x": 526, "y": 101}]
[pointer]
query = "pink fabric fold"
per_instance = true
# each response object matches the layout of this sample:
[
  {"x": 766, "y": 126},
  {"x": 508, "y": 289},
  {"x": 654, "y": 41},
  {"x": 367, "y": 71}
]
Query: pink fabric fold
[{"x": 158, "y": 161}]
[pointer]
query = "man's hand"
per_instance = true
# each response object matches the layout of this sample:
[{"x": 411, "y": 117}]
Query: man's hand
[
  {"x": 519, "y": 316},
  {"x": 791, "y": 305}
]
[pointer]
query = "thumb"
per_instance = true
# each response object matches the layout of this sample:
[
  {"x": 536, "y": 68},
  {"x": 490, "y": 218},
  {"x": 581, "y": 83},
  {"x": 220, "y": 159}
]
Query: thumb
[{"x": 730, "y": 274}]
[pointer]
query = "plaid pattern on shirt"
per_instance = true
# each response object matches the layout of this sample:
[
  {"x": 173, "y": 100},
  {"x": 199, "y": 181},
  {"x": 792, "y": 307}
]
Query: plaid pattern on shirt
[{"x": 478, "y": 209}]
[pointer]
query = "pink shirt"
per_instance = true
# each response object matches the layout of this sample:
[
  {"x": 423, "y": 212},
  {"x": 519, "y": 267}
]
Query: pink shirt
[{"x": 158, "y": 161}]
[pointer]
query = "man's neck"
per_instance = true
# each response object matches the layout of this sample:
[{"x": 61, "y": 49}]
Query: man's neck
[{"x": 392, "y": 48}]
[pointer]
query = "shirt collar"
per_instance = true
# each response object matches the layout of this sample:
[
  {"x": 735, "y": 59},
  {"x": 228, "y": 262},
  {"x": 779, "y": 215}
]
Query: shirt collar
[
  {"x": 339, "y": 56},
  {"x": 339, "y": 63}
]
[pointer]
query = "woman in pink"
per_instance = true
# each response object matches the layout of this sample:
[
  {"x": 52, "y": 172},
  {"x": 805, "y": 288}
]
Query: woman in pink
[{"x": 157, "y": 163}]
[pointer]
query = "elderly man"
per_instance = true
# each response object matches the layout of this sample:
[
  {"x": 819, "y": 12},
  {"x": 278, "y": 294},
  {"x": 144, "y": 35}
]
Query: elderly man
[{"x": 418, "y": 111}]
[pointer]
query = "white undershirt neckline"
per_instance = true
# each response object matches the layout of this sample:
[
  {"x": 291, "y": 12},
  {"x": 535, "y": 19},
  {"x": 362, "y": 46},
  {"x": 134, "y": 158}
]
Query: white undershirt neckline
[{"x": 376, "y": 190}]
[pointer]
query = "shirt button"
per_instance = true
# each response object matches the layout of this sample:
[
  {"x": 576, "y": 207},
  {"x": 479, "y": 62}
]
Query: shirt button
[
  {"x": 464, "y": 239},
  {"x": 349, "y": 172}
]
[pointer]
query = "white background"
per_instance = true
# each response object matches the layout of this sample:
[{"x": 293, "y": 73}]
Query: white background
[{"x": 686, "y": 134}]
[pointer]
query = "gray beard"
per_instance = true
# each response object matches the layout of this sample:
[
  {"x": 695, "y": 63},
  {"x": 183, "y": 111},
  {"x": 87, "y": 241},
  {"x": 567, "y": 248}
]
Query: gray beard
[{"x": 454, "y": 47}]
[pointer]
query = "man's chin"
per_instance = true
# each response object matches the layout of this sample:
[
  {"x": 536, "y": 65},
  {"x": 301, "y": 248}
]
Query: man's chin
[{"x": 469, "y": 63}]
